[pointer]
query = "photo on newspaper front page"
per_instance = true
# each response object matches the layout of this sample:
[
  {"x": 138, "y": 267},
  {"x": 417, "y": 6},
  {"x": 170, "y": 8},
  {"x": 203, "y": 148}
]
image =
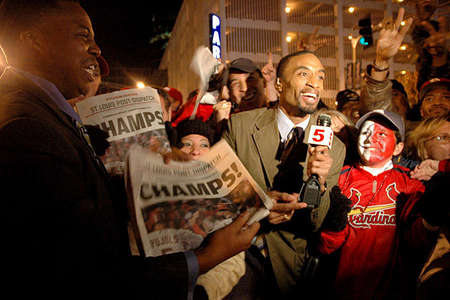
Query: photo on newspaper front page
[
  {"x": 175, "y": 206},
  {"x": 131, "y": 116}
]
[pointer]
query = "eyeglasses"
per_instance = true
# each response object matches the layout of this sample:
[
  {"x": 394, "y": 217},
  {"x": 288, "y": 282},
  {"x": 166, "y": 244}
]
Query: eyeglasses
[{"x": 440, "y": 138}]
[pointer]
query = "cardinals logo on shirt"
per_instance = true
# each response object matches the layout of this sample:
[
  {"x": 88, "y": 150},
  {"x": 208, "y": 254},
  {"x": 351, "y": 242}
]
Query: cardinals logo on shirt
[{"x": 366, "y": 216}]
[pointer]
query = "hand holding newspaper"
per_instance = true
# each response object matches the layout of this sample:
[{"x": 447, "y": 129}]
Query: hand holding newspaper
[
  {"x": 175, "y": 206},
  {"x": 132, "y": 116}
]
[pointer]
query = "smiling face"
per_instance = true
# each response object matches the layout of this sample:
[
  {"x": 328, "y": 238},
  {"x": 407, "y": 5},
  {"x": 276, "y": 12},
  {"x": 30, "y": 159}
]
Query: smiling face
[
  {"x": 436, "y": 103},
  {"x": 66, "y": 50},
  {"x": 247, "y": 90},
  {"x": 377, "y": 144},
  {"x": 301, "y": 84}
]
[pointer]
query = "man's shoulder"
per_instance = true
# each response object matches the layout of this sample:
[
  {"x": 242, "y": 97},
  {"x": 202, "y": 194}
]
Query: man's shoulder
[{"x": 252, "y": 116}]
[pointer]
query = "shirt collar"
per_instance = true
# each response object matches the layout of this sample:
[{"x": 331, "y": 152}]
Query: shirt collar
[
  {"x": 285, "y": 124},
  {"x": 377, "y": 171},
  {"x": 52, "y": 91}
]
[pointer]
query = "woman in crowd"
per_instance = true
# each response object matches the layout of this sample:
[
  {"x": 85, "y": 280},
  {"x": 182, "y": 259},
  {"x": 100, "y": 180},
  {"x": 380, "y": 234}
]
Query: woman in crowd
[
  {"x": 430, "y": 139},
  {"x": 194, "y": 137}
]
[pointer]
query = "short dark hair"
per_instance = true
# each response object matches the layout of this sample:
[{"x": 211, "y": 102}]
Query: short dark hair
[
  {"x": 17, "y": 15},
  {"x": 284, "y": 61}
]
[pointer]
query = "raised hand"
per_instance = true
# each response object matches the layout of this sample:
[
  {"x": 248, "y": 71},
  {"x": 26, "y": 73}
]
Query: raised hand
[
  {"x": 312, "y": 43},
  {"x": 391, "y": 37},
  {"x": 268, "y": 70},
  {"x": 437, "y": 41},
  {"x": 222, "y": 110},
  {"x": 270, "y": 75}
]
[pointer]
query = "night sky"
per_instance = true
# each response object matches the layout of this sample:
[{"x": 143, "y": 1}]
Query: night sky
[{"x": 124, "y": 29}]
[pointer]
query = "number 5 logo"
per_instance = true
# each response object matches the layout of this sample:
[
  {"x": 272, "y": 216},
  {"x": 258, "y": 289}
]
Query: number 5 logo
[{"x": 318, "y": 135}]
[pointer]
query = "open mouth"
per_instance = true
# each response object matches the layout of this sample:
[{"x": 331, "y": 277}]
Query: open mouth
[
  {"x": 309, "y": 97},
  {"x": 93, "y": 71}
]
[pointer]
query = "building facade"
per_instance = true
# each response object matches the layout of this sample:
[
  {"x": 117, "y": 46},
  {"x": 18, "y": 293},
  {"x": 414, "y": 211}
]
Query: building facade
[{"x": 253, "y": 28}]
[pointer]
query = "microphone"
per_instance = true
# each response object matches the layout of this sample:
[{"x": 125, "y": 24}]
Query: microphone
[{"x": 320, "y": 134}]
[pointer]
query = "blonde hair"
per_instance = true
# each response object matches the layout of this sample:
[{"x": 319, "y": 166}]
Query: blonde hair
[{"x": 417, "y": 137}]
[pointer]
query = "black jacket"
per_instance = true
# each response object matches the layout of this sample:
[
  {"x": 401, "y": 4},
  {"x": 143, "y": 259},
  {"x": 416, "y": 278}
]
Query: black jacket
[{"x": 61, "y": 225}]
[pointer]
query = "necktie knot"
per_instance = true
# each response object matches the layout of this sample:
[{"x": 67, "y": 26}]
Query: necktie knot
[{"x": 292, "y": 140}]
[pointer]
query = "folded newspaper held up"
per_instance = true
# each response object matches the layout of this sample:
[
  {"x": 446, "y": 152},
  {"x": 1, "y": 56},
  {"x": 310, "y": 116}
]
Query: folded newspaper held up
[
  {"x": 132, "y": 116},
  {"x": 176, "y": 205}
]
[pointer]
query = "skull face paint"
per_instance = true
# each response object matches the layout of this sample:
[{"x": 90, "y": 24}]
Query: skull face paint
[{"x": 376, "y": 144}]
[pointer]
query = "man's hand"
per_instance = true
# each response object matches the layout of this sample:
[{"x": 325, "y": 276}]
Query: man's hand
[
  {"x": 436, "y": 43},
  {"x": 425, "y": 170},
  {"x": 390, "y": 38},
  {"x": 270, "y": 75},
  {"x": 226, "y": 242},
  {"x": 284, "y": 206},
  {"x": 268, "y": 71},
  {"x": 312, "y": 43},
  {"x": 222, "y": 110},
  {"x": 319, "y": 163}
]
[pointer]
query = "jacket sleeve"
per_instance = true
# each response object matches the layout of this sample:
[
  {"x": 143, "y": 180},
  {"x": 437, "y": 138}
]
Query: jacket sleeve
[
  {"x": 375, "y": 94},
  {"x": 331, "y": 241},
  {"x": 61, "y": 229}
]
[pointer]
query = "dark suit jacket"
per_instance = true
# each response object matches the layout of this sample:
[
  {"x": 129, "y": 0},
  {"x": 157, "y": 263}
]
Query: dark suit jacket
[
  {"x": 255, "y": 138},
  {"x": 62, "y": 225}
]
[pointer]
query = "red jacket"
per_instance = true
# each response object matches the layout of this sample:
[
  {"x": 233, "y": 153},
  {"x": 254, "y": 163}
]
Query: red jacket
[{"x": 369, "y": 242}]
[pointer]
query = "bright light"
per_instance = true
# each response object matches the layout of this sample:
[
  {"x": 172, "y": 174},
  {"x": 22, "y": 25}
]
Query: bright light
[
  {"x": 140, "y": 85},
  {"x": 402, "y": 23},
  {"x": 403, "y": 47},
  {"x": 403, "y": 72},
  {"x": 362, "y": 41},
  {"x": 287, "y": 9},
  {"x": 350, "y": 37},
  {"x": 289, "y": 39},
  {"x": 400, "y": 1},
  {"x": 351, "y": 9}
]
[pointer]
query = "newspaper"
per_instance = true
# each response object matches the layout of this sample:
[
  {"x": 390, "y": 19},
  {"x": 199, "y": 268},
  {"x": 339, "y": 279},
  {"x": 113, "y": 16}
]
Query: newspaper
[
  {"x": 129, "y": 116},
  {"x": 176, "y": 205}
]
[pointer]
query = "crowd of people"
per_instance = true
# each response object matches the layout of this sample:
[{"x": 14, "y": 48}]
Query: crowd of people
[{"x": 380, "y": 230}]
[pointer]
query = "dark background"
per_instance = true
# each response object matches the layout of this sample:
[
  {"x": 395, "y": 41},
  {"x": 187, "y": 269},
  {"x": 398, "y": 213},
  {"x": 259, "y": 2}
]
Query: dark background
[{"x": 124, "y": 29}]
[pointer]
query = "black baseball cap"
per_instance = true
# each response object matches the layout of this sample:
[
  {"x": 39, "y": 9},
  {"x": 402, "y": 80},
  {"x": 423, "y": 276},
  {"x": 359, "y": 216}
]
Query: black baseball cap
[
  {"x": 244, "y": 65},
  {"x": 345, "y": 96}
]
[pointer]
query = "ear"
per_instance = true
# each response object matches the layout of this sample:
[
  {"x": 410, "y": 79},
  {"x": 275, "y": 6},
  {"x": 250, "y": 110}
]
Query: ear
[
  {"x": 398, "y": 148},
  {"x": 278, "y": 85}
]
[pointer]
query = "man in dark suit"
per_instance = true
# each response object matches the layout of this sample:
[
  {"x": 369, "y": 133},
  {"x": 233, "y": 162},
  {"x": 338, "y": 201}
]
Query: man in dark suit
[
  {"x": 62, "y": 226},
  {"x": 257, "y": 135}
]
